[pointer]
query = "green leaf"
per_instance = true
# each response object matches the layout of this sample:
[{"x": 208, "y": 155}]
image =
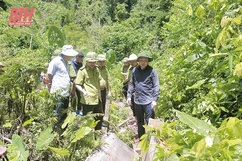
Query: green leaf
[
  {"x": 7, "y": 125},
  {"x": 225, "y": 20},
  {"x": 237, "y": 20},
  {"x": 199, "y": 147},
  {"x": 79, "y": 134},
  {"x": 197, "y": 84},
  {"x": 199, "y": 126},
  {"x": 189, "y": 10},
  {"x": 200, "y": 11},
  {"x": 28, "y": 122},
  {"x": 219, "y": 54},
  {"x": 232, "y": 142},
  {"x": 59, "y": 151},
  {"x": 70, "y": 118},
  {"x": 17, "y": 147},
  {"x": 55, "y": 36},
  {"x": 173, "y": 157},
  {"x": 193, "y": 57},
  {"x": 45, "y": 139}
]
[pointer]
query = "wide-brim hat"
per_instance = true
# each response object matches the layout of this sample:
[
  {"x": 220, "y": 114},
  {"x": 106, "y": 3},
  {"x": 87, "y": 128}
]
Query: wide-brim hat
[
  {"x": 68, "y": 50},
  {"x": 101, "y": 57},
  {"x": 145, "y": 55},
  {"x": 1, "y": 64},
  {"x": 132, "y": 57}
]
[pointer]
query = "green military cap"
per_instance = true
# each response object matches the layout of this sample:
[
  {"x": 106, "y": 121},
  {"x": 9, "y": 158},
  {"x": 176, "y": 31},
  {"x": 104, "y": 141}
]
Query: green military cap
[
  {"x": 101, "y": 57},
  {"x": 91, "y": 57},
  {"x": 125, "y": 59},
  {"x": 144, "y": 55}
]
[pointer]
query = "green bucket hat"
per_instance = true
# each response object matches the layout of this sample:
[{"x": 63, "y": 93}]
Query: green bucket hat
[
  {"x": 101, "y": 57},
  {"x": 125, "y": 60},
  {"x": 1, "y": 64},
  {"x": 145, "y": 55},
  {"x": 91, "y": 57}
]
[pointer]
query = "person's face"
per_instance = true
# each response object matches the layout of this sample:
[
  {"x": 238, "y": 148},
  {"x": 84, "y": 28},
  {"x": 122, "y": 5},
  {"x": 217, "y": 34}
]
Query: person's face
[
  {"x": 133, "y": 63},
  {"x": 91, "y": 64},
  {"x": 79, "y": 59},
  {"x": 67, "y": 58},
  {"x": 100, "y": 63},
  {"x": 143, "y": 62},
  {"x": 126, "y": 64}
]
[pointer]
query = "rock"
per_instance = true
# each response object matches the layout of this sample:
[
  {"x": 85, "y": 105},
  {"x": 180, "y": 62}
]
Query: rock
[{"x": 113, "y": 149}]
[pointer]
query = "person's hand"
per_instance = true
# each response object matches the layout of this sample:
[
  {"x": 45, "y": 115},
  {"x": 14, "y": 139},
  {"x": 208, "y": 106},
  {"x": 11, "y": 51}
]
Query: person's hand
[
  {"x": 129, "y": 101},
  {"x": 85, "y": 94},
  {"x": 153, "y": 104},
  {"x": 108, "y": 94}
]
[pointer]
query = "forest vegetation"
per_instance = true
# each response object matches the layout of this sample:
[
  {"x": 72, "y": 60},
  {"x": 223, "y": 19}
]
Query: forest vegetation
[{"x": 196, "y": 50}]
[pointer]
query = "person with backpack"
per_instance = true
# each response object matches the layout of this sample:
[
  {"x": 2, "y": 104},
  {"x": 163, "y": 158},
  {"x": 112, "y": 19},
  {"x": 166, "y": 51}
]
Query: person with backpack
[{"x": 144, "y": 83}]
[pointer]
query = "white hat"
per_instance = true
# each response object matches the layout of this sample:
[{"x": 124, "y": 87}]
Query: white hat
[
  {"x": 68, "y": 50},
  {"x": 132, "y": 57}
]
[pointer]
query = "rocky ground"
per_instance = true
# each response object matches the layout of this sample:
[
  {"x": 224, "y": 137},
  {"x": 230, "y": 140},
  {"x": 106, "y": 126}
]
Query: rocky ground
[{"x": 128, "y": 124}]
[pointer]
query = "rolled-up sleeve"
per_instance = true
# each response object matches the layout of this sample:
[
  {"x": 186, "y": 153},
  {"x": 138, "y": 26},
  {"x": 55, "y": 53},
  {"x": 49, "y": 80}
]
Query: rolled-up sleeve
[{"x": 80, "y": 77}]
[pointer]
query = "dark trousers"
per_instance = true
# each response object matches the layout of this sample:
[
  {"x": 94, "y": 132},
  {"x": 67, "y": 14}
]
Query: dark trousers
[
  {"x": 103, "y": 97},
  {"x": 94, "y": 109},
  {"x": 61, "y": 108},
  {"x": 143, "y": 112},
  {"x": 125, "y": 89}
]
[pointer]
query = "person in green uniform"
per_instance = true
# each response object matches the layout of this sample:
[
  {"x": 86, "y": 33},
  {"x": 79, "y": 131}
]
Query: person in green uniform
[
  {"x": 1, "y": 68},
  {"x": 104, "y": 82},
  {"x": 133, "y": 63},
  {"x": 87, "y": 82},
  {"x": 124, "y": 72}
]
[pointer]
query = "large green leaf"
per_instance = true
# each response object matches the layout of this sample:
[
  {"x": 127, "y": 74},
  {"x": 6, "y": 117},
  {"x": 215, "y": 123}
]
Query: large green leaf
[
  {"x": 199, "y": 126},
  {"x": 19, "y": 152},
  {"x": 55, "y": 36},
  {"x": 59, "y": 151},
  {"x": 79, "y": 134},
  {"x": 45, "y": 139}
]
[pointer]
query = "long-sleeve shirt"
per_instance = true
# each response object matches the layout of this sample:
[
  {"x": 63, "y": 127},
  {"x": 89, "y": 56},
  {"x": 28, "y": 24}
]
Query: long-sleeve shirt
[
  {"x": 89, "y": 79},
  {"x": 145, "y": 85}
]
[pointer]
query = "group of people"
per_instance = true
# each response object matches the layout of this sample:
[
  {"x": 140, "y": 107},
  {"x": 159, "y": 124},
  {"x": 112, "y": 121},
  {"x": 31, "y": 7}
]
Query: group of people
[
  {"x": 140, "y": 88},
  {"x": 91, "y": 85}
]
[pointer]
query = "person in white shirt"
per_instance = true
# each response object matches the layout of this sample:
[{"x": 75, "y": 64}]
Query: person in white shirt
[{"x": 58, "y": 81}]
